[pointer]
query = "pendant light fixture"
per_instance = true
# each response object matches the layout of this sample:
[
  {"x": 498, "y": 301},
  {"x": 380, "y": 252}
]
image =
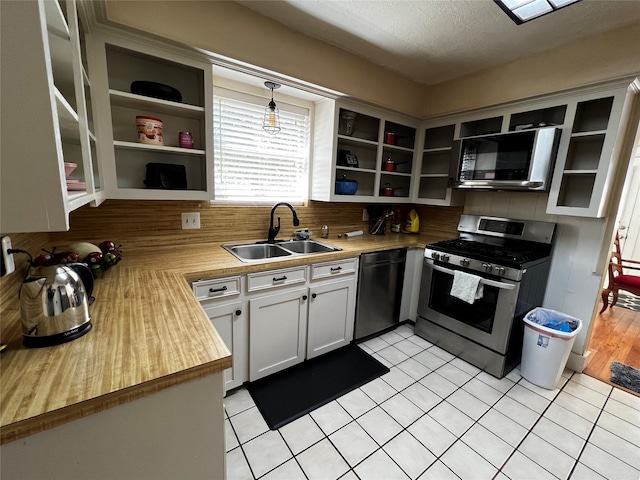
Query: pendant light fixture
[{"x": 271, "y": 122}]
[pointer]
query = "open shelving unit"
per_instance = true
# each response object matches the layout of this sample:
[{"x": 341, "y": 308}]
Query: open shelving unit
[
  {"x": 124, "y": 61},
  {"x": 437, "y": 167},
  {"x": 45, "y": 84},
  {"x": 587, "y": 151},
  {"x": 363, "y": 139}
]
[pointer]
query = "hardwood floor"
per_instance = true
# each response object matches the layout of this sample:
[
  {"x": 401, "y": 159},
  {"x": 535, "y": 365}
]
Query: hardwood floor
[{"x": 615, "y": 337}]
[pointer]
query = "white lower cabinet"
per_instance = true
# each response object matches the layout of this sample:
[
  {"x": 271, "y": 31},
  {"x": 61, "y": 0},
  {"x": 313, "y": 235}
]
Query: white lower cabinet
[
  {"x": 274, "y": 319},
  {"x": 222, "y": 301},
  {"x": 331, "y": 316},
  {"x": 278, "y": 331},
  {"x": 309, "y": 318},
  {"x": 229, "y": 319}
]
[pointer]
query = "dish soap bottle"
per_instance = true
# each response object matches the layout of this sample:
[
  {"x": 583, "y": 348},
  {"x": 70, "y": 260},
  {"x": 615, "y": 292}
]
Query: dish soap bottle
[{"x": 412, "y": 224}]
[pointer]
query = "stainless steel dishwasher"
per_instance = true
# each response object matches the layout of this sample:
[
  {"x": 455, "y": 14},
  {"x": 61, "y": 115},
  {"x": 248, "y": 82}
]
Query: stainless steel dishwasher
[{"x": 379, "y": 291}]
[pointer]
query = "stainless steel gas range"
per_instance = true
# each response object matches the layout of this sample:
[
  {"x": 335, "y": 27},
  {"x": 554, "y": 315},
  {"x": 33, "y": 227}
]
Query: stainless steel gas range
[{"x": 510, "y": 259}]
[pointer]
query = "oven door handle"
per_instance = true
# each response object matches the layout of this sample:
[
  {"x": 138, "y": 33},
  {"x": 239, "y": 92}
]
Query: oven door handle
[{"x": 484, "y": 281}]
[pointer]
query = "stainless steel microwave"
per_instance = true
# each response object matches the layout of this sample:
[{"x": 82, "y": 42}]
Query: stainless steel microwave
[{"x": 521, "y": 160}]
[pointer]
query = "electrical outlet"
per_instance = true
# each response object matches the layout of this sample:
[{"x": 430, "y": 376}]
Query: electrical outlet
[
  {"x": 365, "y": 215},
  {"x": 190, "y": 220},
  {"x": 8, "y": 265}
]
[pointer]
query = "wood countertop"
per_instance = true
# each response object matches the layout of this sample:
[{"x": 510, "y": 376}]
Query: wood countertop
[{"x": 149, "y": 333}]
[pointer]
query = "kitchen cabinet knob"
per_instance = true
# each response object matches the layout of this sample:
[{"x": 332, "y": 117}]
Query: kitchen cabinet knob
[
  {"x": 215, "y": 290},
  {"x": 238, "y": 313},
  {"x": 279, "y": 279},
  {"x": 314, "y": 295},
  {"x": 304, "y": 297},
  {"x": 337, "y": 269}
]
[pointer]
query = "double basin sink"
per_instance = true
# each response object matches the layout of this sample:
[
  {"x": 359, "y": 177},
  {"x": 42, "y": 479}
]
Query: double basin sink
[{"x": 260, "y": 251}]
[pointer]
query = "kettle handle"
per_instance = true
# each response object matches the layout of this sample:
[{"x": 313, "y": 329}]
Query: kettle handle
[{"x": 86, "y": 276}]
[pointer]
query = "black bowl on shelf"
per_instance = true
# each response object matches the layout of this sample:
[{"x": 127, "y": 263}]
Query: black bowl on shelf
[{"x": 156, "y": 90}]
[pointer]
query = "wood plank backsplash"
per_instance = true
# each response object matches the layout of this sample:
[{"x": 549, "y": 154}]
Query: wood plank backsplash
[
  {"x": 134, "y": 223},
  {"x": 157, "y": 223}
]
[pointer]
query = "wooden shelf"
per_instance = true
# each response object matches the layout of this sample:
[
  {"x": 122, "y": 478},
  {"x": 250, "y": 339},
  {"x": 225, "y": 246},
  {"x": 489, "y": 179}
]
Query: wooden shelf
[
  {"x": 579, "y": 172},
  {"x": 437, "y": 150},
  {"x": 354, "y": 169},
  {"x": 131, "y": 100},
  {"x": 158, "y": 148},
  {"x": 396, "y": 147},
  {"x": 157, "y": 194},
  {"x": 76, "y": 199},
  {"x": 61, "y": 62},
  {"x": 56, "y": 23},
  {"x": 398, "y": 174},
  {"x": 595, "y": 133},
  {"x": 357, "y": 140},
  {"x": 68, "y": 118}
]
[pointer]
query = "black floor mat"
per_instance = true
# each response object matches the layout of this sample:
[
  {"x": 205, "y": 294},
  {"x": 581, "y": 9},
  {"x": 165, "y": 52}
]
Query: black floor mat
[{"x": 285, "y": 396}]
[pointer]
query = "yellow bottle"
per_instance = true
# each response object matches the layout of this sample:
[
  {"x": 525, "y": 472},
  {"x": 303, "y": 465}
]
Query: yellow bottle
[{"x": 412, "y": 225}]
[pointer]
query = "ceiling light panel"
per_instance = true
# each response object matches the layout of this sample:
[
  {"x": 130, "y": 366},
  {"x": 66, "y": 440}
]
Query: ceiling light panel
[
  {"x": 521, "y": 11},
  {"x": 562, "y": 3},
  {"x": 533, "y": 9}
]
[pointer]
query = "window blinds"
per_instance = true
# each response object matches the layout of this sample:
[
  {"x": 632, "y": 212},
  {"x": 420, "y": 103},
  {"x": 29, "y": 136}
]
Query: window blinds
[{"x": 251, "y": 165}]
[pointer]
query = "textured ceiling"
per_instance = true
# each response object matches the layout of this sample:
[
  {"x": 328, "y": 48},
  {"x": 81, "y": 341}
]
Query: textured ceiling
[{"x": 431, "y": 41}]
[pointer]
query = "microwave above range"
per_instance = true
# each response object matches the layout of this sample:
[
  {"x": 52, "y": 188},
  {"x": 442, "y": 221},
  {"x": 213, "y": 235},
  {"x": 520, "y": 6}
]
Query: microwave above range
[{"x": 521, "y": 160}]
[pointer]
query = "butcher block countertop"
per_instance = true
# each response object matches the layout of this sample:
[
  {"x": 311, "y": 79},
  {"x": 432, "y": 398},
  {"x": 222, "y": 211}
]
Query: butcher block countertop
[{"x": 149, "y": 333}]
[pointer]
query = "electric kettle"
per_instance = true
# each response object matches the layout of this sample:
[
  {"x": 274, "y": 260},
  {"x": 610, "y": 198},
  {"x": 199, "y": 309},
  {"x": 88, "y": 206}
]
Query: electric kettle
[{"x": 54, "y": 304}]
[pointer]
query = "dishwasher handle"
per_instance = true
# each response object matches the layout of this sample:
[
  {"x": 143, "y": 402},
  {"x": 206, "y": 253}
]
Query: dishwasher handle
[
  {"x": 383, "y": 263},
  {"x": 383, "y": 258}
]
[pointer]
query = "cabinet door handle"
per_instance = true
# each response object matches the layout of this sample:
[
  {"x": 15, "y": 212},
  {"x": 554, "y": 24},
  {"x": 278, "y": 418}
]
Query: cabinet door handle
[
  {"x": 238, "y": 313},
  {"x": 314, "y": 295},
  {"x": 304, "y": 297},
  {"x": 279, "y": 279},
  {"x": 336, "y": 269},
  {"x": 215, "y": 290}
]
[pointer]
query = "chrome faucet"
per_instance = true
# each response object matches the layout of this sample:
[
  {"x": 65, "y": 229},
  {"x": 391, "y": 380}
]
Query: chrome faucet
[{"x": 273, "y": 231}]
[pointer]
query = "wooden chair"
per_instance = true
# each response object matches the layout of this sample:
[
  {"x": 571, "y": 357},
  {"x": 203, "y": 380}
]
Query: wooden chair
[{"x": 623, "y": 275}]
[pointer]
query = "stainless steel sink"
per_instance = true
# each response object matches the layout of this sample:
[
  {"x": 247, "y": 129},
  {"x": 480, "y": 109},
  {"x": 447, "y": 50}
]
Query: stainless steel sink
[
  {"x": 307, "y": 246},
  {"x": 256, "y": 252}
]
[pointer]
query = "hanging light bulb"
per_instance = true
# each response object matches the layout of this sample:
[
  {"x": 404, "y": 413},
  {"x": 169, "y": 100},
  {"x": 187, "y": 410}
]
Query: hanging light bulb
[{"x": 271, "y": 122}]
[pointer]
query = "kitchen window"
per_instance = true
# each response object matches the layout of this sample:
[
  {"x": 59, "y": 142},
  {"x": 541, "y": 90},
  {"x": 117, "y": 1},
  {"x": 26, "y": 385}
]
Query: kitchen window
[{"x": 251, "y": 165}]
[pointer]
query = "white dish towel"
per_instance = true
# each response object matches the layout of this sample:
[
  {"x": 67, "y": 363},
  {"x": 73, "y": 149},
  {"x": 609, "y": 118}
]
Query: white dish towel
[{"x": 466, "y": 286}]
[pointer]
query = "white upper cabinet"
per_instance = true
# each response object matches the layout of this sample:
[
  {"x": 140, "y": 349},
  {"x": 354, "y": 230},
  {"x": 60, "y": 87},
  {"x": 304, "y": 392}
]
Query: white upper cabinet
[
  {"x": 437, "y": 167},
  {"x": 178, "y": 173},
  {"x": 46, "y": 117},
  {"x": 366, "y": 145},
  {"x": 590, "y": 120},
  {"x": 586, "y": 160}
]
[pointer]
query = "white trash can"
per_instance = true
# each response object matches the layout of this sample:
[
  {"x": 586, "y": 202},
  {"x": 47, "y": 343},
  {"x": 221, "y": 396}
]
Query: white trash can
[{"x": 547, "y": 343}]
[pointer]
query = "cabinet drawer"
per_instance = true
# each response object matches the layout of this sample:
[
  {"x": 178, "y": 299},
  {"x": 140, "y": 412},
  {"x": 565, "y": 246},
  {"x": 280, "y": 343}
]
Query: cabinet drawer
[
  {"x": 276, "y": 278},
  {"x": 334, "y": 269},
  {"x": 216, "y": 288}
]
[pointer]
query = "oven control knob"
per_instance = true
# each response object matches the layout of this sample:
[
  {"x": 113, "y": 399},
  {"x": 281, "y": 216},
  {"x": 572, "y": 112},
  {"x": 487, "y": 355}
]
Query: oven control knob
[
  {"x": 444, "y": 257},
  {"x": 435, "y": 255},
  {"x": 464, "y": 262},
  {"x": 487, "y": 267},
  {"x": 500, "y": 270}
]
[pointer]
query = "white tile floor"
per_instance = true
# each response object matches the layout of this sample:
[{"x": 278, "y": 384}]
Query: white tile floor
[{"x": 434, "y": 416}]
